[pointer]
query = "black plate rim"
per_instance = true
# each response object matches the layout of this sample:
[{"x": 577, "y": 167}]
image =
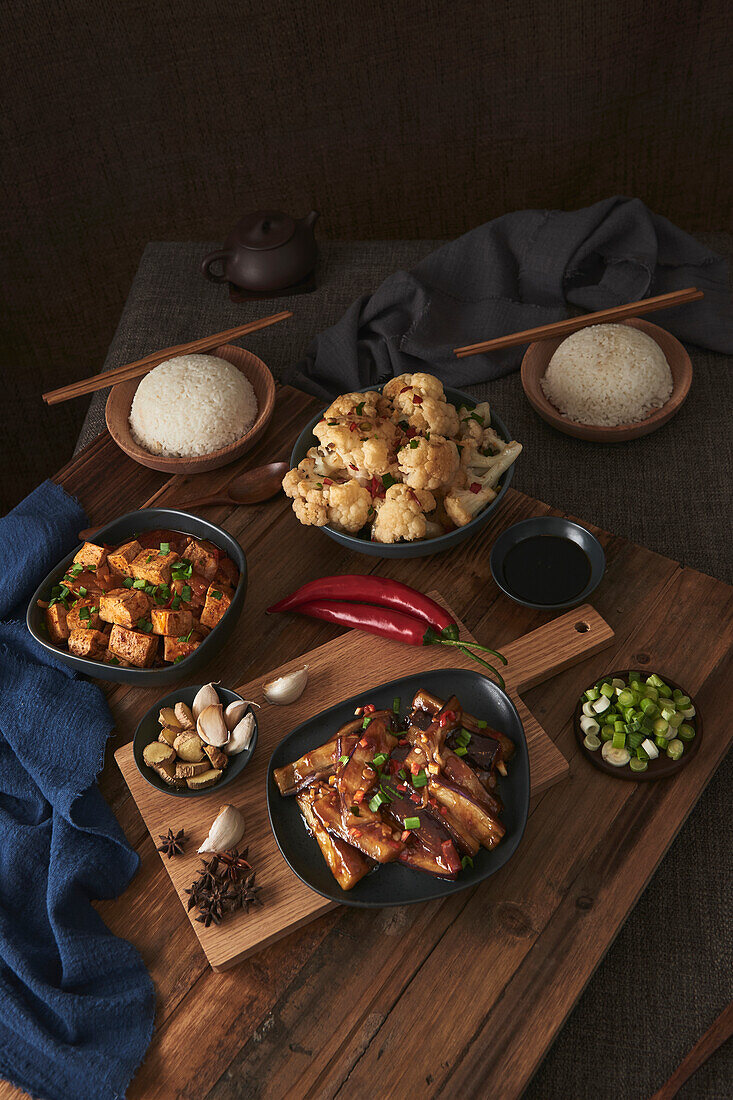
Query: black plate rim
[
  {"x": 187, "y": 695},
  {"x": 145, "y": 519},
  {"x": 554, "y": 524},
  {"x": 626, "y": 773},
  {"x": 441, "y": 888}
]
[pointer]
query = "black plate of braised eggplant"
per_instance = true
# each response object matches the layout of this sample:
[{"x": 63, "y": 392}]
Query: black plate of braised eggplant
[{"x": 414, "y": 790}]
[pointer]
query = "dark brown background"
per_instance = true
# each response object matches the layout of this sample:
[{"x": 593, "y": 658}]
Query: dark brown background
[{"x": 138, "y": 121}]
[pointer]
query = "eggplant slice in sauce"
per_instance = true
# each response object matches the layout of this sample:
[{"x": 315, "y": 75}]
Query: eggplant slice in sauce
[{"x": 419, "y": 792}]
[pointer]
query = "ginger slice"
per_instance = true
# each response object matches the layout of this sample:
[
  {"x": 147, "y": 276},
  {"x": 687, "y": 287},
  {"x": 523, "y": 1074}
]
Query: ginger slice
[
  {"x": 206, "y": 779},
  {"x": 158, "y": 753},
  {"x": 189, "y": 746}
]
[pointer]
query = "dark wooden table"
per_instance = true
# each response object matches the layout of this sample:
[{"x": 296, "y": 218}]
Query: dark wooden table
[{"x": 461, "y": 997}]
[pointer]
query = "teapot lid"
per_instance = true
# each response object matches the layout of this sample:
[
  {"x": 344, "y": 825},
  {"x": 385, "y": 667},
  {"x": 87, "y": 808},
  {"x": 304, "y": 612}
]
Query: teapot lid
[{"x": 265, "y": 229}]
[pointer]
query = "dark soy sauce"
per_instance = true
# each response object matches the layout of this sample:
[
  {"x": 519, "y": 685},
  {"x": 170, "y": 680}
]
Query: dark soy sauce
[{"x": 546, "y": 569}]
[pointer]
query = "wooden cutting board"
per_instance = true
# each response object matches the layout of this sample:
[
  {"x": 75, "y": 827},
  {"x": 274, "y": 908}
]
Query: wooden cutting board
[{"x": 346, "y": 666}]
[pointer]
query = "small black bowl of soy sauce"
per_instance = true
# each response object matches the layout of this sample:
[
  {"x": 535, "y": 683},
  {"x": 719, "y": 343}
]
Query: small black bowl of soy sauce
[{"x": 547, "y": 563}]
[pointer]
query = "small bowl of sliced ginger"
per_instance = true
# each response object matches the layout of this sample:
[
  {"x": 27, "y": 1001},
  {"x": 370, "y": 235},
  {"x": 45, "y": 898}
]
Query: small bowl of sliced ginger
[{"x": 195, "y": 740}]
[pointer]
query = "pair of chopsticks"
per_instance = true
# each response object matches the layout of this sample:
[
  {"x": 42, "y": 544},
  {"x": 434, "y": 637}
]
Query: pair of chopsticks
[
  {"x": 143, "y": 366},
  {"x": 573, "y": 324}
]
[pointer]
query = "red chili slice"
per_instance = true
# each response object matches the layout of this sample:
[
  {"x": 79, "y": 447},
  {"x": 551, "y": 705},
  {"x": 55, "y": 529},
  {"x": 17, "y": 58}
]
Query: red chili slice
[
  {"x": 417, "y": 399},
  {"x": 327, "y": 481},
  {"x": 475, "y": 487},
  {"x": 369, "y": 708}
]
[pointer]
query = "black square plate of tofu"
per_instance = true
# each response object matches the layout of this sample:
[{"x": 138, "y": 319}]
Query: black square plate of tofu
[{"x": 121, "y": 608}]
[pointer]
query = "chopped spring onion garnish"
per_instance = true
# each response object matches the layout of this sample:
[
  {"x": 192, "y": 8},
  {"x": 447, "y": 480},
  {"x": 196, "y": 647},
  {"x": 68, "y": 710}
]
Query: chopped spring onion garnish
[
  {"x": 344, "y": 759},
  {"x": 466, "y": 862},
  {"x": 379, "y": 759},
  {"x": 460, "y": 750},
  {"x": 396, "y": 703},
  {"x": 412, "y": 822},
  {"x": 127, "y": 583},
  {"x": 165, "y": 548},
  {"x": 640, "y": 719},
  {"x": 420, "y": 779}
]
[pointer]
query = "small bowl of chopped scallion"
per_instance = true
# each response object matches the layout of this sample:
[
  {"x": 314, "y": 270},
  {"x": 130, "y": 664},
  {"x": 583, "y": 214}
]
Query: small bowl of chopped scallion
[{"x": 636, "y": 725}]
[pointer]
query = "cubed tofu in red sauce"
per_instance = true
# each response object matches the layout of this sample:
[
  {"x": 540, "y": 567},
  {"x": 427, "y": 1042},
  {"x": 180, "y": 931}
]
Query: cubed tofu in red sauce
[{"x": 147, "y": 602}]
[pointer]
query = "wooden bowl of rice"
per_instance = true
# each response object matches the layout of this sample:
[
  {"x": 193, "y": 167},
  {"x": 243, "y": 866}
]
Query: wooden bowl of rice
[
  {"x": 534, "y": 368},
  {"x": 257, "y": 374}
]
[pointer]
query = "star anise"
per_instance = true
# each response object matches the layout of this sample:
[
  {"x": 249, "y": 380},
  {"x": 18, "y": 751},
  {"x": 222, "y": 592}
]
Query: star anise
[
  {"x": 213, "y": 905},
  {"x": 244, "y": 894},
  {"x": 234, "y": 864},
  {"x": 173, "y": 843}
]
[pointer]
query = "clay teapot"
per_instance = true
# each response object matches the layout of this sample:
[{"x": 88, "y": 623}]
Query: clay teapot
[{"x": 265, "y": 251}]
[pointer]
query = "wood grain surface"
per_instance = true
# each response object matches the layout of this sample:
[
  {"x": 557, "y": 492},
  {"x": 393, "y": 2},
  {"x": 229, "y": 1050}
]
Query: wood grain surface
[
  {"x": 299, "y": 1018},
  {"x": 346, "y": 666}
]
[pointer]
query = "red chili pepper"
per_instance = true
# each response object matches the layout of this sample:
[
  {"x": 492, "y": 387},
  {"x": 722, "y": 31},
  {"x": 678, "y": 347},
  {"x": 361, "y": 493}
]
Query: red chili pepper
[
  {"x": 379, "y": 591},
  {"x": 327, "y": 481},
  {"x": 446, "y": 717},
  {"x": 369, "y": 709},
  {"x": 404, "y": 390},
  {"x": 353, "y": 426},
  {"x": 417, "y": 399},
  {"x": 475, "y": 487}
]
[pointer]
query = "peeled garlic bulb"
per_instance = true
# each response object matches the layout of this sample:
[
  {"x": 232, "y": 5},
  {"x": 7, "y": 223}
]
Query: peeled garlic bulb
[
  {"x": 286, "y": 689},
  {"x": 211, "y": 727},
  {"x": 241, "y": 736},
  {"x": 226, "y": 831},
  {"x": 235, "y": 712},
  {"x": 206, "y": 696}
]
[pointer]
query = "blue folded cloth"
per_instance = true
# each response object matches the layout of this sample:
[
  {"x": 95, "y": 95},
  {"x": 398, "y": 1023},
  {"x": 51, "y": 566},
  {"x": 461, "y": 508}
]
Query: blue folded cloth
[
  {"x": 76, "y": 1002},
  {"x": 516, "y": 272}
]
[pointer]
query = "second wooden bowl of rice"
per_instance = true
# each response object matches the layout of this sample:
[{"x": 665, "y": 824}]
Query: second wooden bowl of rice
[
  {"x": 193, "y": 413},
  {"x": 607, "y": 385}
]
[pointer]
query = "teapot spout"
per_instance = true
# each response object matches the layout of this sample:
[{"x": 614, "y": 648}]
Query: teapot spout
[{"x": 311, "y": 219}]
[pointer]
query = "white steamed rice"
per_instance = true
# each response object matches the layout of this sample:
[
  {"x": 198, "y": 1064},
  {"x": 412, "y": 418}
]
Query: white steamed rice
[
  {"x": 608, "y": 375},
  {"x": 192, "y": 405}
]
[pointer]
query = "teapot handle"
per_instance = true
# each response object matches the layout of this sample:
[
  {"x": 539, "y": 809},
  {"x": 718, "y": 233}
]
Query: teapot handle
[{"x": 212, "y": 258}]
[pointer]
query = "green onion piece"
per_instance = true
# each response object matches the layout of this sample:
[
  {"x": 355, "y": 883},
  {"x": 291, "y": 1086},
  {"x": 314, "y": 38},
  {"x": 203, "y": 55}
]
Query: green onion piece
[
  {"x": 177, "y": 659},
  {"x": 343, "y": 759},
  {"x": 466, "y": 862},
  {"x": 216, "y": 595},
  {"x": 420, "y": 780},
  {"x": 592, "y": 693},
  {"x": 641, "y": 754},
  {"x": 379, "y": 759},
  {"x": 402, "y": 774},
  {"x": 113, "y": 661},
  {"x": 626, "y": 698},
  {"x": 128, "y": 582},
  {"x": 388, "y": 481},
  {"x": 354, "y": 810},
  {"x": 619, "y": 740},
  {"x": 140, "y": 583},
  {"x": 606, "y": 733},
  {"x": 678, "y": 694},
  {"x": 379, "y": 799},
  {"x": 619, "y": 727},
  {"x": 591, "y": 742},
  {"x": 460, "y": 750},
  {"x": 165, "y": 548},
  {"x": 396, "y": 703},
  {"x": 650, "y": 708},
  {"x": 683, "y": 702},
  {"x": 463, "y": 737},
  {"x": 661, "y": 727},
  {"x": 366, "y": 722},
  {"x": 176, "y": 603},
  {"x": 686, "y": 732},
  {"x": 607, "y": 690},
  {"x": 661, "y": 742},
  {"x": 634, "y": 740},
  {"x": 412, "y": 822},
  {"x": 665, "y": 692},
  {"x": 481, "y": 724},
  {"x": 675, "y": 749},
  {"x": 655, "y": 681},
  {"x": 676, "y": 720},
  {"x": 638, "y": 765}
]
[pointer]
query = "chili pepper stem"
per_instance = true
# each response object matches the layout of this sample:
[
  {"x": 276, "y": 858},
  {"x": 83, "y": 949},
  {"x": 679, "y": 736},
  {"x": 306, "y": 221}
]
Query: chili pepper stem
[
  {"x": 431, "y": 638},
  {"x": 476, "y": 657}
]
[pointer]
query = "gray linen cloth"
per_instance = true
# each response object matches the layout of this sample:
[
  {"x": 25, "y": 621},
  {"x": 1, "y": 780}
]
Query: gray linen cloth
[{"x": 513, "y": 273}]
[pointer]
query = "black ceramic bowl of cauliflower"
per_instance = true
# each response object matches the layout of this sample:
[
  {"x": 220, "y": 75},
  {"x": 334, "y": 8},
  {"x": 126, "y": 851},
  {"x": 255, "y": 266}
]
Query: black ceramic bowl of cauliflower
[{"x": 401, "y": 471}]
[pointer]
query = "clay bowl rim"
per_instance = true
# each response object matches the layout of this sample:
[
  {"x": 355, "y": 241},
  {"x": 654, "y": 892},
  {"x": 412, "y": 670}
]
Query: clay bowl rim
[
  {"x": 119, "y": 403},
  {"x": 539, "y": 353}
]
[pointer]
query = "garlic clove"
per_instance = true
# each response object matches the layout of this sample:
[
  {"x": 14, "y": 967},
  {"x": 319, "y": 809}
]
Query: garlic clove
[
  {"x": 227, "y": 829},
  {"x": 241, "y": 736},
  {"x": 235, "y": 711},
  {"x": 206, "y": 696},
  {"x": 211, "y": 727},
  {"x": 286, "y": 689}
]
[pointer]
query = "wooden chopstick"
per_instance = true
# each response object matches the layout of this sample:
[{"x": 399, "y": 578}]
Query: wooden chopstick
[
  {"x": 718, "y": 1033},
  {"x": 573, "y": 324},
  {"x": 142, "y": 366}
]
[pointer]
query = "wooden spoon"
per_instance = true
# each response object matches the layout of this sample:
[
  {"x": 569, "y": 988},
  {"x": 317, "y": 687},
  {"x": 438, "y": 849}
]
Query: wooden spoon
[
  {"x": 248, "y": 488},
  {"x": 251, "y": 487}
]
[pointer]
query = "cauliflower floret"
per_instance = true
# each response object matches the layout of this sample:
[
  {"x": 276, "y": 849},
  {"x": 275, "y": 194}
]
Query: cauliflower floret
[
  {"x": 401, "y": 515},
  {"x": 475, "y": 427},
  {"x": 428, "y": 463},
  {"x": 427, "y": 385},
  {"x": 318, "y": 500},
  {"x": 371, "y": 405},
  {"x": 366, "y": 450},
  {"x": 481, "y": 475},
  {"x": 349, "y": 506},
  {"x": 426, "y": 414}
]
